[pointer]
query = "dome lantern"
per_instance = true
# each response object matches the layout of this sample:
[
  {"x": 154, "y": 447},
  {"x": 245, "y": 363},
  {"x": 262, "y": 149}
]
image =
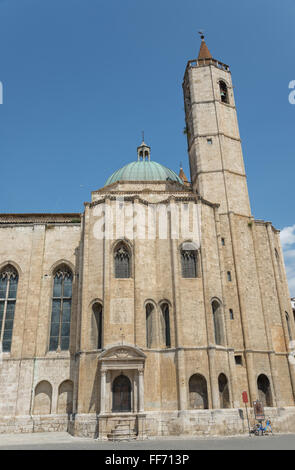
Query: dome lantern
[{"x": 143, "y": 151}]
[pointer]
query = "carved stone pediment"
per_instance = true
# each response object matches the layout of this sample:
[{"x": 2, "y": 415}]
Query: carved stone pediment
[
  {"x": 122, "y": 351},
  {"x": 122, "y": 356}
]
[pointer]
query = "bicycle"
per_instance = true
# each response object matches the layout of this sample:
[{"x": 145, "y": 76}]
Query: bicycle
[{"x": 260, "y": 430}]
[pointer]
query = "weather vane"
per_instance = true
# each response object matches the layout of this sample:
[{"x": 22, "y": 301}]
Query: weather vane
[{"x": 201, "y": 33}]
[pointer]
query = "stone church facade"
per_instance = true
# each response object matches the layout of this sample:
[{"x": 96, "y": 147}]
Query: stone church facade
[{"x": 153, "y": 310}]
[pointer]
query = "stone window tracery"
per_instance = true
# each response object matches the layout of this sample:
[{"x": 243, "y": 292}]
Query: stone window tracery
[
  {"x": 61, "y": 310},
  {"x": 8, "y": 292},
  {"x": 189, "y": 263},
  {"x": 122, "y": 263}
]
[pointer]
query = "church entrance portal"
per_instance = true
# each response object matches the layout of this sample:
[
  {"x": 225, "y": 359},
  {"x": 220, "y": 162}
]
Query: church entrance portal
[{"x": 121, "y": 394}]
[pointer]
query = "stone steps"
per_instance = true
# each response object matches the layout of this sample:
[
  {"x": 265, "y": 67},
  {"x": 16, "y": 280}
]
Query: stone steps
[{"x": 124, "y": 430}]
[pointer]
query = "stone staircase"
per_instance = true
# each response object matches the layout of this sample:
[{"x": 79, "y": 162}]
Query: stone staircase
[{"x": 123, "y": 431}]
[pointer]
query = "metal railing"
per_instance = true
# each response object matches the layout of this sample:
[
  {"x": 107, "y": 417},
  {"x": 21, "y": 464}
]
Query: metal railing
[{"x": 210, "y": 61}]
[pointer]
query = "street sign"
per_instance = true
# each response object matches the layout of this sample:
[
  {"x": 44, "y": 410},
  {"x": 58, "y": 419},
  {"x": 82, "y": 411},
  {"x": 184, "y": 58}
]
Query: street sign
[{"x": 245, "y": 397}]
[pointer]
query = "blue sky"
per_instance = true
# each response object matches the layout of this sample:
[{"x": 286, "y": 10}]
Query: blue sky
[{"x": 83, "y": 78}]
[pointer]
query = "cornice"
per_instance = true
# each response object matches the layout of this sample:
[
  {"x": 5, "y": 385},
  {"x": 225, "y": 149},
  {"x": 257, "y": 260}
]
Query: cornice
[{"x": 29, "y": 219}]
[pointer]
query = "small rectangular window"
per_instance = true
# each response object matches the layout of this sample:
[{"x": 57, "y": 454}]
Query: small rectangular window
[
  {"x": 231, "y": 314},
  {"x": 222, "y": 241},
  {"x": 239, "y": 360},
  {"x": 229, "y": 276},
  {"x": 209, "y": 141}
]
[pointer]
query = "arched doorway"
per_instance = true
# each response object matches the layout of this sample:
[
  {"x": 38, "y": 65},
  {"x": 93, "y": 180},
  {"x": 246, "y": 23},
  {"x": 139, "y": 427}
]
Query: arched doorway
[
  {"x": 264, "y": 390},
  {"x": 198, "y": 396},
  {"x": 223, "y": 391},
  {"x": 121, "y": 394}
]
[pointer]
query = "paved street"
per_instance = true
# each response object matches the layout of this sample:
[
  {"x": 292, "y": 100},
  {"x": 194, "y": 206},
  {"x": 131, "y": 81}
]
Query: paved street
[{"x": 63, "y": 441}]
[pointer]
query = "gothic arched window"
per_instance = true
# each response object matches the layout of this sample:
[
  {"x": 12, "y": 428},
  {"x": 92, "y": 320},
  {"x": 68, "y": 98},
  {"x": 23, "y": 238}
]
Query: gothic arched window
[
  {"x": 8, "y": 290},
  {"x": 189, "y": 263},
  {"x": 97, "y": 326},
  {"x": 218, "y": 322},
  {"x": 122, "y": 262},
  {"x": 61, "y": 310},
  {"x": 166, "y": 324},
  {"x": 150, "y": 325},
  {"x": 223, "y": 92}
]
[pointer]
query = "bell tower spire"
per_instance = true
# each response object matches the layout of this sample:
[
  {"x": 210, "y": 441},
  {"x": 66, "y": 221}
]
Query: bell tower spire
[{"x": 204, "y": 51}]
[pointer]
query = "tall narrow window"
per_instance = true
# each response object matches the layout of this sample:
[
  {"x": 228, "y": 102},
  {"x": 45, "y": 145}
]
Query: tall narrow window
[
  {"x": 61, "y": 310},
  {"x": 223, "y": 92},
  {"x": 166, "y": 321},
  {"x": 189, "y": 263},
  {"x": 97, "y": 326},
  {"x": 8, "y": 290},
  {"x": 288, "y": 326},
  {"x": 150, "y": 326},
  {"x": 122, "y": 263},
  {"x": 218, "y": 322}
]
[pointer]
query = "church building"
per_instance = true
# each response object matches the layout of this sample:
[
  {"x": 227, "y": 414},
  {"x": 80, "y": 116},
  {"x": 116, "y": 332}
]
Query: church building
[{"x": 151, "y": 312}]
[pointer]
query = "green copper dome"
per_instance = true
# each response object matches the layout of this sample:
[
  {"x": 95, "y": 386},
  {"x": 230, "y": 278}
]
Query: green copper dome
[{"x": 143, "y": 170}]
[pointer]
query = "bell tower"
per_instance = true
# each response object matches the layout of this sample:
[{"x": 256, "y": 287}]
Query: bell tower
[{"x": 214, "y": 145}]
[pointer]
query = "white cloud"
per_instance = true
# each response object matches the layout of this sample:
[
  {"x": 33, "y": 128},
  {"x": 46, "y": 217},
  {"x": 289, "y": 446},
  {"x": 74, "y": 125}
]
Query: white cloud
[
  {"x": 288, "y": 236},
  {"x": 288, "y": 244}
]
